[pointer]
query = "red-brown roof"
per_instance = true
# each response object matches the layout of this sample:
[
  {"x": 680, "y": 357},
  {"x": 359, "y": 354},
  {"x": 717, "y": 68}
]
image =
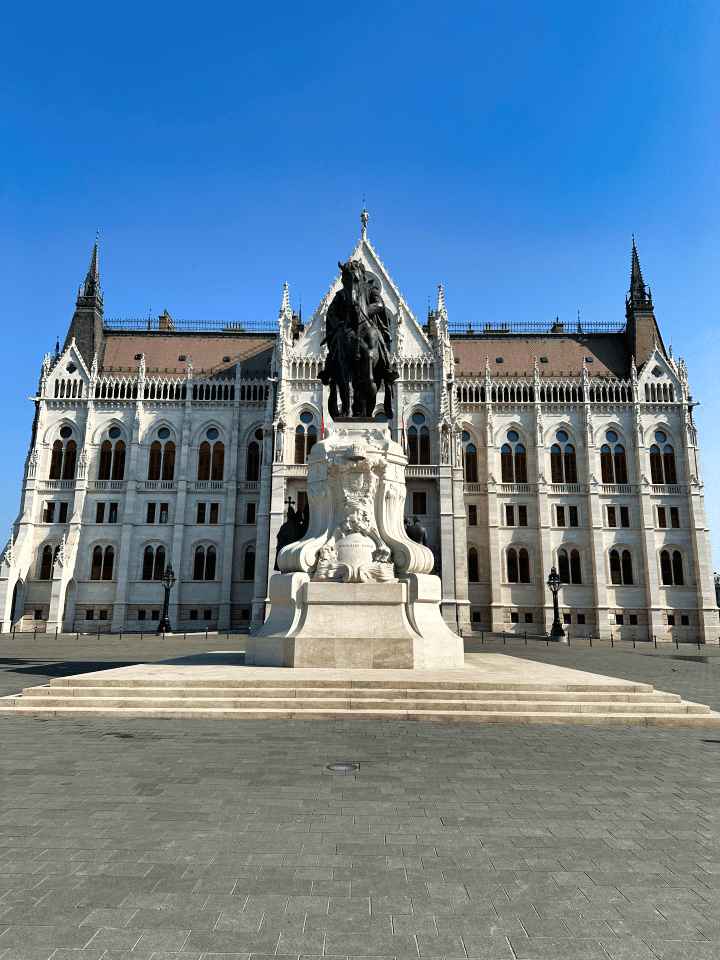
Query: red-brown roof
[
  {"x": 564, "y": 354},
  {"x": 163, "y": 352}
]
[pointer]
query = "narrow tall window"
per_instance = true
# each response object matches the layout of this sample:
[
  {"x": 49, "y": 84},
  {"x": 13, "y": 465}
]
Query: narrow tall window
[
  {"x": 570, "y": 463},
  {"x": 419, "y": 502},
  {"x": 470, "y": 464},
  {"x": 473, "y": 566},
  {"x": 147, "y": 567},
  {"x": 665, "y": 568},
  {"x": 575, "y": 570},
  {"x": 656, "y": 465},
  {"x": 424, "y": 445},
  {"x": 204, "y": 461},
  {"x": 46, "y": 563},
  {"x": 669, "y": 464},
  {"x": 201, "y": 513},
  {"x": 627, "y": 571},
  {"x": 118, "y": 461},
  {"x": 524, "y": 565},
  {"x": 573, "y": 516},
  {"x": 606, "y": 464},
  {"x": 97, "y": 562},
  {"x": 522, "y": 515},
  {"x": 56, "y": 460},
  {"x": 560, "y": 516},
  {"x": 62, "y": 516},
  {"x": 620, "y": 464},
  {"x": 150, "y": 513},
  {"x": 168, "y": 461},
  {"x": 252, "y": 464},
  {"x": 218, "y": 461},
  {"x": 159, "y": 565},
  {"x": 214, "y": 512},
  {"x": 210, "y": 559},
  {"x": 512, "y": 565},
  {"x": 108, "y": 559},
  {"x": 556, "y": 464},
  {"x": 305, "y": 437},
  {"x": 624, "y": 516},
  {"x": 509, "y": 515},
  {"x": 612, "y": 516},
  {"x": 249, "y": 565},
  {"x": 155, "y": 462},
  {"x": 68, "y": 472},
  {"x": 662, "y": 518},
  {"x": 563, "y": 566},
  {"x": 674, "y": 517},
  {"x": 615, "y": 568},
  {"x": 199, "y": 565},
  {"x": 677, "y": 566},
  {"x": 472, "y": 515}
]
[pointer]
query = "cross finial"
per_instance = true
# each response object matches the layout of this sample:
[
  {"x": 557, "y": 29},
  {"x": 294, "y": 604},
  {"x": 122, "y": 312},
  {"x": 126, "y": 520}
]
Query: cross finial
[{"x": 289, "y": 502}]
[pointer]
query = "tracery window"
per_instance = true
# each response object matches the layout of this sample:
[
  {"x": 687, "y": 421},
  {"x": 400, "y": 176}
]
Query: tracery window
[
  {"x": 63, "y": 457},
  {"x": 101, "y": 567},
  {"x": 569, "y": 569},
  {"x": 211, "y": 460},
  {"x": 621, "y": 571},
  {"x": 671, "y": 568},
  {"x": 162, "y": 457},
  {"x": 662, "y": 461},
  {"x": 613, "y": 462},
  {"x": 204, "y": 565},
  {"x": 518, "y": 565},
  {"x": 112, "y": 456},
  {"x": 47, "y": 561},
  {"x": 563, "y": 462},
  {"x": 513, "y": 459},
  {"x": 153, "y": 563}
]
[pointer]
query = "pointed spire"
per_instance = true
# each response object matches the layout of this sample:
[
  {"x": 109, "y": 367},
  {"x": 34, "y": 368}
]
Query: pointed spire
[
  {"x": 441, "y": 299},
  {"x": 285, "y": 310},
  {"x": 637, "y": 285},
  {"x": 364, "y": 216},
  {"x": 92, "y": 280}
]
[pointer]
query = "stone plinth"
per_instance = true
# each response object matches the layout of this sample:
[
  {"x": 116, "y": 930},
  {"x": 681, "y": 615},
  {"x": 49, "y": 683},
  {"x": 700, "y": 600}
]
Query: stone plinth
[{"x": 356, "y": 592}]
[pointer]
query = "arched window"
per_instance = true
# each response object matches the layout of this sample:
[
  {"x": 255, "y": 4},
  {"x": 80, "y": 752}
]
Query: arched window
[
  {"x": 118, "y": 461},
  {"x": 204, "y": 564},
  {"x": 147, "y": 567},
  {"x": 470, "y": 462},
  {"x": 473, "y": 566},
  {"x": 512, "y": 566},
  {"x": 418, "y": 440},
  {"x": 63, "y": 457},
  {"x": 252, "y": 464},
  {"x": 513, "y": 460},
  {"x": 112, "y": 456},
  {"x": 563, "y": 462},
  {"x": 108, "y": 560},
  {"x": 671, "y": 569},
  {"x": 249, "y": 564},
  {"x": 621, "y": 571},
  {"x": 563, "y": 566},
  {"x": 575, "y": 568},
  {"x": 204, "y": 461},
  {"x": 620, "y": 464},
  {"x": 97, "y": 563},
  {"x": 606, "y": 464},
  {"x": 46, "y": 563}
]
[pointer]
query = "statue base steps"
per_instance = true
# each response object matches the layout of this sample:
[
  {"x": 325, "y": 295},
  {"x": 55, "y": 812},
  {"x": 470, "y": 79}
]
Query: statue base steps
[{"x": 355, "y": 626}]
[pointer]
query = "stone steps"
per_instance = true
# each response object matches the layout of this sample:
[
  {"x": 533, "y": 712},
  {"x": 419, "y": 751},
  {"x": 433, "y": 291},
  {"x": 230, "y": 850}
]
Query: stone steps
[{"x": 453, "y": 701}]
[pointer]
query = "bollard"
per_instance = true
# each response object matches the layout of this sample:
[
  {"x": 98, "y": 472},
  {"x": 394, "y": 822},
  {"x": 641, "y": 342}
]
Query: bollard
[
  {"x": 591, "y": 639},
  {"x": 633, "y": 641},
  {"x": 142, "y": 631},
  {"x": 185, "y": 634},
  {"x": 206, "y": 629},
  {"x": 35, "y": 637},
  {"x": 13, "y": 633},
  {"x": 482, "y": 636},
  {"x": 676, "y": 643},
  {"x": 77, "y": 634},
  {"x": 612, "y": 643},
  {"x": 698, "y": 643},
  {"x": 547, "y": 641},
  {"x": 503, "y": 638},
  {"x": 526, "y": 638},
  {"x": 121, "y": 636},
  {"x": 655, "y": 641}
]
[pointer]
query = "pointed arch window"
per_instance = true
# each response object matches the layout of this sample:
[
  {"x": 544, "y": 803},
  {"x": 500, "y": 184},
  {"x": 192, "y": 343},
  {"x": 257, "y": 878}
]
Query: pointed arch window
[
  {"x": 305, "y": 438},
  {"x": 153, "y": 566},
  {"x": 46, "y": 563},
  {"x": 112, "y": 456},
  {"x": 666, "y": 568},
  {"x": 524, "y": 565},
  {"x": 63, "y": 457},
  {"x": 470, "y": 464},
  {"x": 671, "y": 568},
  {"x": 161, "y": 465},
  {"x": 621, "y": 571},
  {"x": 473, "y": 566},
  {"x": 96, "y": 565},
  {"x": 204, "y": 563},
  {"x": 108, "y": 561},
  {"x": 564, "y": 566},
  {"x": 218, "y": 461},
  {"x": 613, "y": 462},
  {"x": 513, "y": 460},
  {"x": 563, "y": 461},
  {"x": 418, "y": 440}
]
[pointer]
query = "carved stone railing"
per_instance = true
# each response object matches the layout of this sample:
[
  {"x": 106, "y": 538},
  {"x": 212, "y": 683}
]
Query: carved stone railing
[
  {"x": 424, "y": 470},
  {"x": 566, "y": 488},
  {"x": 199, "y": 485},
  {"x": 56, "y": 484},
  {"x": 515, "y": 488},
  {"x": 667, "y": 489},
  {"x": 293, "y": 470},
  {"x": 114, "y": 485},
  {"x": 618, "y": 489},
  {"x": 166, "y": 485}
]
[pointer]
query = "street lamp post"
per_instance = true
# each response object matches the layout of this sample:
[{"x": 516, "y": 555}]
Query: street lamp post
[
  {"x": 557, "y": 632},
  {"x": 168, "y": 581}
]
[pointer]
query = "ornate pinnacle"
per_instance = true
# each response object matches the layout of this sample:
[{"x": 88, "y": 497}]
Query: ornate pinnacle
[{"x": 441, "y": 299}]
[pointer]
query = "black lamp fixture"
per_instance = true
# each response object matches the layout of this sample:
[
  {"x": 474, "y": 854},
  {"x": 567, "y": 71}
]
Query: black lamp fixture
[
  {"x": 554, "y": 582},
  {"x": 168, "y": 582}
]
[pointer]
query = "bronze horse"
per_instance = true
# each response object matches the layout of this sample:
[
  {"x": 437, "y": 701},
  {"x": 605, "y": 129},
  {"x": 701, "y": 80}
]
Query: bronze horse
[{"x": 358, "y": 334}]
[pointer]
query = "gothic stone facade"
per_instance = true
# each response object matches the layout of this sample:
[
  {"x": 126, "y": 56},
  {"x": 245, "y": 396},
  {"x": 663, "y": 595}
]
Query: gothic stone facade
[{"x": 529, "y": 448}]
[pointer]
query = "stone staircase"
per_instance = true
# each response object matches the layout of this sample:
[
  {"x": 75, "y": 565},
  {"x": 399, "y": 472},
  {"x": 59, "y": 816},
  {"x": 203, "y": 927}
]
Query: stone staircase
[{"x": 288, "y": 695}]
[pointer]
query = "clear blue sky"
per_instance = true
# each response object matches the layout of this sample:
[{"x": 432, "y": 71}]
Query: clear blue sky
[{"x": 507, "y": 150}]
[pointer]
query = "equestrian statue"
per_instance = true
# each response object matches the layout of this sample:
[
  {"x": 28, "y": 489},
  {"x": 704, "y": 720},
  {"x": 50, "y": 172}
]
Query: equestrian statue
[{"x": 357, "y": 338}]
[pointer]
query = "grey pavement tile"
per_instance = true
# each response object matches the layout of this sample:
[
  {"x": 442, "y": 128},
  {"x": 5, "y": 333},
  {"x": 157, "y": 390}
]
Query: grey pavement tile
[
  {"x": 173, "y": 919},
  {"x": 223, "y": 941},
  {"x": 627, "y": 949},
  {"x": 164, "y": 940},
  {"x": 28, "y": 953},
  {"x": 446, "y": 947},
  {"x": 397, "y": 906},
  {"x": 356, "y": 924},
  {"x": 370, "y": 945},
  {"x": 245, "y": 922},
  {"x": 39, "y": 936},
  {"x": 547, "y": 949},
  {"x": 677, "y": 950},
  {"x": 488, "y": 948},
  {"x": 664, "y": 930},
  {"x": 113, "y": 939}
]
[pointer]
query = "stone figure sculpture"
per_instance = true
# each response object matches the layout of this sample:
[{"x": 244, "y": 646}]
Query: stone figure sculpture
[{"x": 357, "y": 338}]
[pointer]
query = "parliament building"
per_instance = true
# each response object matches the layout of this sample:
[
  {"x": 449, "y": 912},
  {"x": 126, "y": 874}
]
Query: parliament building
[{"x": 529, "y": 446}]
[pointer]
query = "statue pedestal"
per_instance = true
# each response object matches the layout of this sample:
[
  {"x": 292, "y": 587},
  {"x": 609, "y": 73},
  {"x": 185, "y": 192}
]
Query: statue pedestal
[{"x": 356, "y": 592}]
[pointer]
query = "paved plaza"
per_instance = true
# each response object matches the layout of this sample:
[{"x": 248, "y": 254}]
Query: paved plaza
[{"x": 184, "y": 839}]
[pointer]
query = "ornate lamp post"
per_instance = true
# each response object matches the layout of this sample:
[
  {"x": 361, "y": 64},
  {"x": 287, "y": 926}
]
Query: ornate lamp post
[
  {"x": 554, "y": 583},
  {"x": 168, "y": 581}
]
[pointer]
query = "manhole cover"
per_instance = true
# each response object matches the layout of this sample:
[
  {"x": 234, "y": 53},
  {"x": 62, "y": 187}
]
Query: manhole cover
[{"x": 342, "y": 767}]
